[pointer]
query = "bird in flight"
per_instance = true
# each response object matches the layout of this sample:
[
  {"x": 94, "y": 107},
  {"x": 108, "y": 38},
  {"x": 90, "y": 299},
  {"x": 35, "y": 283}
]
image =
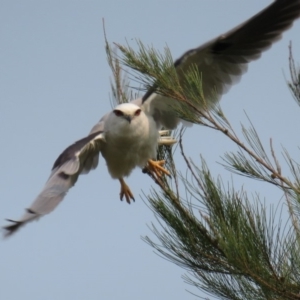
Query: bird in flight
[{"x": 127, "y": 137}]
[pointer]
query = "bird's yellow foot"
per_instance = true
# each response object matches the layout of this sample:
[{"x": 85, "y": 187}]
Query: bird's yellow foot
[
  {"x": 125, "y": 191},
  {"x": 155, "y": 168}
]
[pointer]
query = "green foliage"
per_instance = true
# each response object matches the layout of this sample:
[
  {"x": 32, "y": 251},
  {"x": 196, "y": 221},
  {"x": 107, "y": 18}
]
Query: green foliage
[
  {"x": 230, "y": 246},
  {"x": 294, "y": 83}
]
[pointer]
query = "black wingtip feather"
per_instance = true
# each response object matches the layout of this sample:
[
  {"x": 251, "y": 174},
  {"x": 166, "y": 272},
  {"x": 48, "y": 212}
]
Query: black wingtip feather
[{"x": 11, "y": 229}]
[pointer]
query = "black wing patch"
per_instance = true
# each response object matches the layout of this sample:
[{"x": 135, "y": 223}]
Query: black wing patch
[
  {"x": 240, "y": 45},
  {"x": 69, "y": 152}
]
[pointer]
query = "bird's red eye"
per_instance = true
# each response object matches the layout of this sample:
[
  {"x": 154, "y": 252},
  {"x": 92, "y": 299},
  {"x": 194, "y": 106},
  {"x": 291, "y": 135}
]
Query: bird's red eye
[
  {"x": 137, "y": 113},
  {"x": 118, "y": 113}
]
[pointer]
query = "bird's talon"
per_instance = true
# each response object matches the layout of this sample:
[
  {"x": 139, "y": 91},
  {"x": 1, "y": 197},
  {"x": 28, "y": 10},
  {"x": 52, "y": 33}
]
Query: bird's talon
[
  {"x": 156, "y": 169},
  {"x": 125, "y": 191}
]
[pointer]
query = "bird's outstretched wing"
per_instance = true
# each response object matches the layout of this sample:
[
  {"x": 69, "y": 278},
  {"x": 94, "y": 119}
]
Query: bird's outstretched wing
[
  {"x": 222, "y": 61},
  {"x": 79, "y": 158}
]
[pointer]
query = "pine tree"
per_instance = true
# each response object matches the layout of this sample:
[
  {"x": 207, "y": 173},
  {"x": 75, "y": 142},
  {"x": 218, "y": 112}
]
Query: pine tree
[{"x": 232, "y": 247}]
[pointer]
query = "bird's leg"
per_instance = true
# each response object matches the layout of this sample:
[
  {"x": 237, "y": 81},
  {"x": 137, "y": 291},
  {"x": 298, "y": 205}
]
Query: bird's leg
[
  {"x": 155, "y": 168},
  {"x": 125, "y": 191}
]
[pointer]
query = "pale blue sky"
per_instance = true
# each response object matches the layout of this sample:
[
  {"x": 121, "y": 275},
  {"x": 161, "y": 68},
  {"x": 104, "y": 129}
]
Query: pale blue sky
[{"x": 54, "y": 86}]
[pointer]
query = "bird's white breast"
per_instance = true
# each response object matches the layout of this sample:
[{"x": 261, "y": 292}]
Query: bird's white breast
[{"x": 129, "y": 145}]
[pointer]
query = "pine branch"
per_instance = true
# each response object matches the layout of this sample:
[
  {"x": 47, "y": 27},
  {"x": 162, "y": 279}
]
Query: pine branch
[
  {"x": 230, "y": 245},
  {"x": 294, "y": 83}
]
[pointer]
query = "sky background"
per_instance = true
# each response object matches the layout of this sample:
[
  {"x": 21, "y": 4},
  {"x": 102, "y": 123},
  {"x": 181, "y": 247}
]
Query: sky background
[{"x": 54, "y": 86}]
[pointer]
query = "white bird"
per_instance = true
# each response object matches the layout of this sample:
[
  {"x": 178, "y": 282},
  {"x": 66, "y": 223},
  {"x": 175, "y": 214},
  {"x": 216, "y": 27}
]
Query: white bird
[{"x": 127, "y": 137}]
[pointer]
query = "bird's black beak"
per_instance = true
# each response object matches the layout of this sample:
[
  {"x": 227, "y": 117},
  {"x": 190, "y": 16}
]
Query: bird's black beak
[{"x": 128, "y": 118}]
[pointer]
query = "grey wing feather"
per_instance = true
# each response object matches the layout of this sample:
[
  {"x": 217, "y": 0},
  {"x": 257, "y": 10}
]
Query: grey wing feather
[
  {"x": 92, "y": 161},
  {"x": 222, "y": 61},
  {"x": 100, "y": 125},
  {"x": 65, "y": 172},
  {"x": 159, "y": 107}
]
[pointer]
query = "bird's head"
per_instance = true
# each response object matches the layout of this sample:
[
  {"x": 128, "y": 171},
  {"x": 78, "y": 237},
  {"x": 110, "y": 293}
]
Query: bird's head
[{"x": 127, "y": 111}]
